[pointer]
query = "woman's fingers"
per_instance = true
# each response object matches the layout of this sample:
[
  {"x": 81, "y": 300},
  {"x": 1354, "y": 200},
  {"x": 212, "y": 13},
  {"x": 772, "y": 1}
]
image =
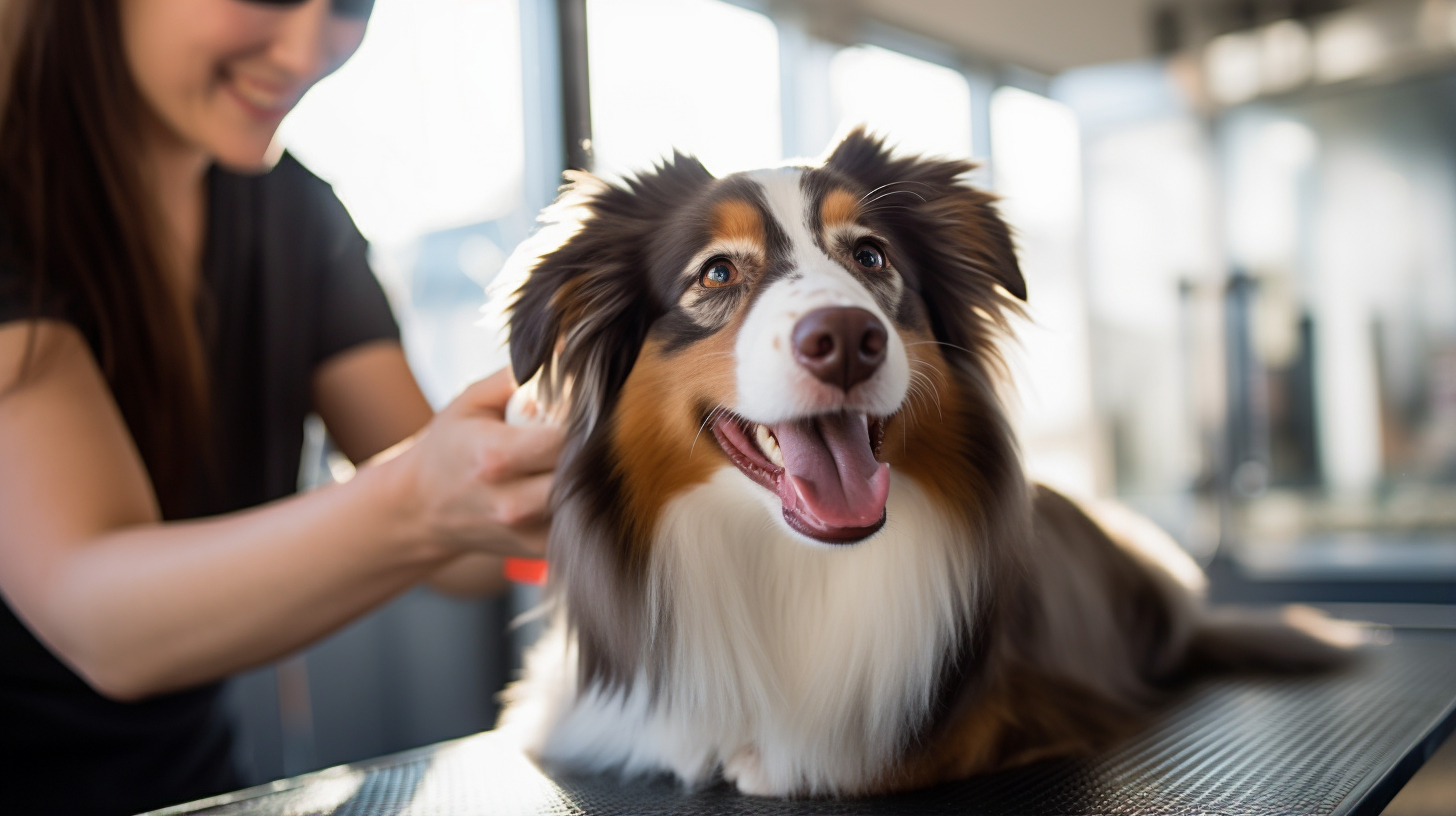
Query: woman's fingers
[
  {"x": 520, "y": 509},
  {"x": 481, "y": 483},
  {"x": 490, "y": 394},
  {"x": 529, "y": 542},
  {"x": 524, "y": 503},
  {"x": 522, "y": 450}
]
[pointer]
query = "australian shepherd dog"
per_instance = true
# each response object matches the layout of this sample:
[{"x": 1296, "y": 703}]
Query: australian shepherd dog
[{"x": 793, "y": 542}]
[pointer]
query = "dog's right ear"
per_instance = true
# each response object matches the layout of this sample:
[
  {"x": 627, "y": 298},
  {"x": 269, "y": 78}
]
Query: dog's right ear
[
  {"x": 581, "y": 314},
  {"x": 577, "y": 311}
]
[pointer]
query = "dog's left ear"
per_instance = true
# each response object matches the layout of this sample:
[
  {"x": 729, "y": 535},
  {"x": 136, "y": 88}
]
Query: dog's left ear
[
  {"x": 582, "y": 312},
  {"x": 961, "y": 251},
  {"x": 577, "y": 316}
]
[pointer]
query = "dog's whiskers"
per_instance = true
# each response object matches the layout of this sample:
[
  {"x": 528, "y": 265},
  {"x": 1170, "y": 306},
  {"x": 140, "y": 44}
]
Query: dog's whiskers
[
  {"x": 707, "y": 419},
  {"x": 890, "y": 184},
  {"x": 894, "y": 192},
  {"x": 939, "y": 343},
  {"x": 885, "y": 208},
  {"x": 929, "y": 383},
  {"x": 915, "y": 397}
]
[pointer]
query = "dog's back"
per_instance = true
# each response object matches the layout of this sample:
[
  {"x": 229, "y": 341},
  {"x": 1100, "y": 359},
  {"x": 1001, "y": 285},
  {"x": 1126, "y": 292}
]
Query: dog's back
[{"x": 1110, "y": 620}]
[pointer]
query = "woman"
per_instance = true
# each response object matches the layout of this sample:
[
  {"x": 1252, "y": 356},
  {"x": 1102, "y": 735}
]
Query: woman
[{"x": 170, "y": 309}]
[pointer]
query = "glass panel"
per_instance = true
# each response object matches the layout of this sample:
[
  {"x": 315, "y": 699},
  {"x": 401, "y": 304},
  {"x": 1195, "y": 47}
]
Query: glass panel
[
  {"x": 421, "y": 135},
  {"x": 701, "y": 76},
  {"x": 1155, "y": 277},
  {"x": 1343, "y": 321},
  {"x": 921, "y": 106},
  {"x": 1037, "y": 170},
  {"x": 421, "y": 130}
]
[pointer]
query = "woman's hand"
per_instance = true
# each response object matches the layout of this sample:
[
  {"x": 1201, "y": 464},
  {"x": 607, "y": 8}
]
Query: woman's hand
[{"x": 476, "y": 483}]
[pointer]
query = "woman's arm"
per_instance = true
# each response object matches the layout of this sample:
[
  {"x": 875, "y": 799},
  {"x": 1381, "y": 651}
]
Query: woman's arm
[
  {"x": 369, "y": 400},
  {"x": 139, "y": 607}
]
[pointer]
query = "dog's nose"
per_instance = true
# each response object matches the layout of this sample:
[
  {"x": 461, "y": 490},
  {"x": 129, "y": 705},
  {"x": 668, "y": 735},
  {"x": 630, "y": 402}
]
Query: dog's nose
[{"x": 840, "y": 346}]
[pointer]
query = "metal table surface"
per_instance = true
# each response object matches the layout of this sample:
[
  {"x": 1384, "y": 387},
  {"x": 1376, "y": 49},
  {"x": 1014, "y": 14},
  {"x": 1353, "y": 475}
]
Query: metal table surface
[{"x": 1333, "y": 744}]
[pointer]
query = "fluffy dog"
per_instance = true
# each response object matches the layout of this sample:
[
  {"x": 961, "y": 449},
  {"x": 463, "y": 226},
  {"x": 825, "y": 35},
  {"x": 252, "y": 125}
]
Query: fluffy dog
[{"x": 793, "y": 541}]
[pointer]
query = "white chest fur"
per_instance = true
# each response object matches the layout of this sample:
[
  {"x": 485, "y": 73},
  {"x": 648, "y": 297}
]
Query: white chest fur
[{"x": 795, "y": 668}]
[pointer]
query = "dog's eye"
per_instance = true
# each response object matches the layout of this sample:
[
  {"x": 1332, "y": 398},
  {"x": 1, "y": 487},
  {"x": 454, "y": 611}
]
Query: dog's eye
[
  {"x": 869, "y": 256},
  {"x": 719, "y": 272}
]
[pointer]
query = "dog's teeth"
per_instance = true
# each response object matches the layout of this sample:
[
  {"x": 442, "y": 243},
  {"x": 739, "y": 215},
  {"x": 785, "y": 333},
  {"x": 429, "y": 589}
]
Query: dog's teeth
[{"x": 769, "y": 445}]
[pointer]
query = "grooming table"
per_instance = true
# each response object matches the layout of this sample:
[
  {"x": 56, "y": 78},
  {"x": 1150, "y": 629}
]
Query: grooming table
[{"x": 1333, "y": 744}]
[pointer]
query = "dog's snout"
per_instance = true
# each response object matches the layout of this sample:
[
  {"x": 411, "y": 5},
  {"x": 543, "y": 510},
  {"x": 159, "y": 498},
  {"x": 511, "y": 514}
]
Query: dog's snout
[{"x": 840, "y": 346}]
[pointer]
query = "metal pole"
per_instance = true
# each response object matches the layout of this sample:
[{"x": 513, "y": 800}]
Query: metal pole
[{"x": 575, "y": 85}]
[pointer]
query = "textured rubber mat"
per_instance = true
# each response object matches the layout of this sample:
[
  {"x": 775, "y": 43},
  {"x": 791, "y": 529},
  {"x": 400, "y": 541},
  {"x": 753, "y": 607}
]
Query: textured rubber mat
[{"x": 1332, "y": 744}]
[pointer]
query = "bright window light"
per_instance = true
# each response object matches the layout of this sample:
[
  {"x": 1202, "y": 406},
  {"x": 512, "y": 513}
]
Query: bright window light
[
  {"x": 1232, "y": 65},
  {"x": 1286, "y": 56},
  {"x": 1264, "y": 194},
  {"x": 1349, "y": 47},
  {"x": 422, "y": 130},
  {"x": 701, "y": 76},
  {"x": 918, "y": 105},
  {"x": 1036, "y": 158}
]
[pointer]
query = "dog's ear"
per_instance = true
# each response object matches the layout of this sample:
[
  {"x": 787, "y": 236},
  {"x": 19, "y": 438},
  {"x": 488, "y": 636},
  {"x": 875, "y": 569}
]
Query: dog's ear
[
  {"x": 582, "y": 312},
  {"x": 549, "y": 262},
  {"x": 963, "y": 257}
]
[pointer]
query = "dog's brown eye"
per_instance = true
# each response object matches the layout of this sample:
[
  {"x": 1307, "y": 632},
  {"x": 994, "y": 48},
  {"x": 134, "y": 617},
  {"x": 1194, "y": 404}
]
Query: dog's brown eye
[
  {"x": 869, "y": 256},
  {"x": 719, "y": 272}
]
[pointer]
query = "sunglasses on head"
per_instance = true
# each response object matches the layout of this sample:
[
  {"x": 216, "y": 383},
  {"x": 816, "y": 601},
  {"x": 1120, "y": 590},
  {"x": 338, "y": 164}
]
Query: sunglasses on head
[{"x": 344, "y": 8}]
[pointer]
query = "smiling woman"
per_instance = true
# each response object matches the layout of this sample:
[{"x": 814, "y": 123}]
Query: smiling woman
[
  {"x": 216, "y": 87},
  {"x": 174, "y": 299}
]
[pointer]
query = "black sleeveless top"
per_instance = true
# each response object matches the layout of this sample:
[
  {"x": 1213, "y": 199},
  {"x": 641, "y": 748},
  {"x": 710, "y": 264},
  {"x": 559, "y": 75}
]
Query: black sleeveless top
[{"x": 287, "y": 285}]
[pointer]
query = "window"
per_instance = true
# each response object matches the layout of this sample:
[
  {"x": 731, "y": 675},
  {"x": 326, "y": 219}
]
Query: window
[
  {"x": 920, "y": 106},
  {"x": 421, "y": 134},
  {"x": 700, "y": 76},
  {"x": 1037, "y": 170},
  {"x": 1342, "y": 414},
  {"x": 421, "y": 130}
]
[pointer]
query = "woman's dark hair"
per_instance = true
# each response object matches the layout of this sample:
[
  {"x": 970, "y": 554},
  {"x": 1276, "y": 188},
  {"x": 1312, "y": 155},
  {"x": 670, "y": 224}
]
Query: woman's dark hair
[{"x": 79, "y": 222}]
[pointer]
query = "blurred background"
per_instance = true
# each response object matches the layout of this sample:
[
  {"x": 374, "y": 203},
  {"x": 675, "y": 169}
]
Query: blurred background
[{"x": 1237, "y": 219}]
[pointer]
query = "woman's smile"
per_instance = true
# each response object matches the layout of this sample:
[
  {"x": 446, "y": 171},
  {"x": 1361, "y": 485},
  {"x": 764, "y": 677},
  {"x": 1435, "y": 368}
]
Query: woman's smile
[{"x": 258, "y": 98}]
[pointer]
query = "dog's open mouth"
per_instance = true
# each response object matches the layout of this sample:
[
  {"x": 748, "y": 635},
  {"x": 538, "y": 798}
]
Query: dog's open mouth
[{"x": 825, "y": 470}]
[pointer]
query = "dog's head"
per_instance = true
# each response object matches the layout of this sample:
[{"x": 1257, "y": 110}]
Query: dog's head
[{"x": 779, "y": 319}]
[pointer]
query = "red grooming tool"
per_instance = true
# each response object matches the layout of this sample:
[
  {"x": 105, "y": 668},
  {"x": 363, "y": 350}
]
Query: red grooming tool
[{"x": 526, "y": 570}]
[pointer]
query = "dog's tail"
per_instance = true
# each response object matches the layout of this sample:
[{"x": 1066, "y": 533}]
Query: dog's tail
[{"x": 1285, "y": 639}]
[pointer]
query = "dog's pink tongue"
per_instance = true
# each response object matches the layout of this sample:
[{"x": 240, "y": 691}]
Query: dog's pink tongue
[{"x": 831, "y": 471}]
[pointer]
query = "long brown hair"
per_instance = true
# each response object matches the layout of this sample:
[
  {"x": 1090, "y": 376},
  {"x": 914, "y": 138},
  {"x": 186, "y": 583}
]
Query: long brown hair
[{"x": 81, "y": 225}]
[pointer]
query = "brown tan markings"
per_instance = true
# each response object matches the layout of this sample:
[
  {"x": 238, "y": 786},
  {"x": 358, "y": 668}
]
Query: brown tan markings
[
  {"x": 839, "y": 207},
  {"x": 659, "y": 450},
  {"x": 736, "y": 220},
  {"x": 917, "y": 441},
  {"x": 662, "y": 448}
]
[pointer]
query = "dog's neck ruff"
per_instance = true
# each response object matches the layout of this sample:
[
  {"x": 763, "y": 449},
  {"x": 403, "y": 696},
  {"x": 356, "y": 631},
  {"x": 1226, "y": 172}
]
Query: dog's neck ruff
[{"x": 802, "y": 667}]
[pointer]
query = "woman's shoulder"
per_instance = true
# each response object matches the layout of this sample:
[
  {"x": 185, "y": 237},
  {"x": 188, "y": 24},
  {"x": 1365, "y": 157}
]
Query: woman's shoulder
[
  {"x": 288, "y": 191},
  {"x": 290, "y": 175}
]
